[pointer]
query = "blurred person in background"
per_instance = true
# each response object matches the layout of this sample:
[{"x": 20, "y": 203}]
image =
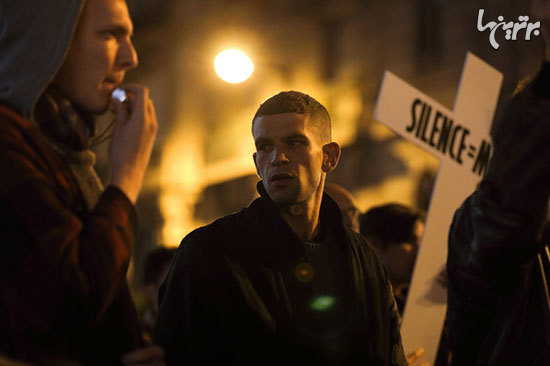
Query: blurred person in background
[
  {"x": 157, "y": 264},
  {"x": 395, "y": 230},
  {"x": 346, "y": 202}
]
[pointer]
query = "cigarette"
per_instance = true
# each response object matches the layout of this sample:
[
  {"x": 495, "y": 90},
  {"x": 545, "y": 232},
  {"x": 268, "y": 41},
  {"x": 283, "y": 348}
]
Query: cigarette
[{"x": 119, "y": 94}]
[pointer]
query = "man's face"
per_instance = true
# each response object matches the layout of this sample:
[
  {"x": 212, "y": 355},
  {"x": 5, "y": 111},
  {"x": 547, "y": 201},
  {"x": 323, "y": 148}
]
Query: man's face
[
  {"x": 289, "y": 156},
  {"x": 100, "y": 54}
]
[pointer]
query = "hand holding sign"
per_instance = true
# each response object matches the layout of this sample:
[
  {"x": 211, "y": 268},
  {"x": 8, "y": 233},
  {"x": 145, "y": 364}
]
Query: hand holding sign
[{"x": 415, "y": 356}]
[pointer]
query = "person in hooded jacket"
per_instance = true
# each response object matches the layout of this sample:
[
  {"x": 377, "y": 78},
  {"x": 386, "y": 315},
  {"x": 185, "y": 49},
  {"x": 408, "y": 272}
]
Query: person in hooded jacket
[
  {"x": 66, "y": 242},
  {"x": 498, "y": 262}
]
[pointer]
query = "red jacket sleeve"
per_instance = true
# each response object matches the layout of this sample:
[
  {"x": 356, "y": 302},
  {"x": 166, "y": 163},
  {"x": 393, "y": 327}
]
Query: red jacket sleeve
[{"x": 64, "y": 263}]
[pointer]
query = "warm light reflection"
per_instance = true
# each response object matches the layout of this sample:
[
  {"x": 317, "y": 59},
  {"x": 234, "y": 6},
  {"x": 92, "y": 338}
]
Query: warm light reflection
[
  {"x": 233, "y": 66},
  {"x": 304, "y": 272},
  {"x": 180, "y": 179}
]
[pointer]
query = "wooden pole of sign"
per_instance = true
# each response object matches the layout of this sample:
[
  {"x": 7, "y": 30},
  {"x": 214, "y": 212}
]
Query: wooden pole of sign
[{"x": 460, "y": 138}]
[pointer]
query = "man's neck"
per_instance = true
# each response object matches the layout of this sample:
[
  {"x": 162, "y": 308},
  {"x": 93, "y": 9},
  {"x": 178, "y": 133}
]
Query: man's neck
[{"x": 303, "y": 217}]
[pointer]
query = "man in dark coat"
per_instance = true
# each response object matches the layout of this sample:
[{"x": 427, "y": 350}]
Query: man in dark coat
[
  {"x": 66, "y": 241},
  {"x": 282, "y": 281},
  {"x": 498, "y": 261}
]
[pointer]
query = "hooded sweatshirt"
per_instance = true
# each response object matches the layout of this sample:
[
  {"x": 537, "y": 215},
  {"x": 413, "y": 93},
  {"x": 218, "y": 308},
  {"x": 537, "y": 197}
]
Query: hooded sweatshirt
[
  {"x": 64, "y": 298},
  {"x": 34, "y": 40}
]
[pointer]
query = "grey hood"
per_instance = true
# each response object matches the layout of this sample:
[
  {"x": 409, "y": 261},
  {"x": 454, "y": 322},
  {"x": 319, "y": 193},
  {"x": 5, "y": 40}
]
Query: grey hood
[{"x": 34, "y": 39}]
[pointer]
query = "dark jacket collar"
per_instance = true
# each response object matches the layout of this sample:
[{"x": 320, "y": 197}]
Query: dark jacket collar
[
  {"x": 280, "y": 243},
  {"x": 329, "y": 214}
]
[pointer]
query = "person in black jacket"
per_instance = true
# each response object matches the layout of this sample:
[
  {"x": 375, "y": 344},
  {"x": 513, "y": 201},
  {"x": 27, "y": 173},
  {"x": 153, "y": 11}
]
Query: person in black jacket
[
  {"x": 498, "y": 261},
  {"x": 281, "y": 281}
]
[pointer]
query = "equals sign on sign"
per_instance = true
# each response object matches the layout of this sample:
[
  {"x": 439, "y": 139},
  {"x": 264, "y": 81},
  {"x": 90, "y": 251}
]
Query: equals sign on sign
[{"x": 471, "y": 151}]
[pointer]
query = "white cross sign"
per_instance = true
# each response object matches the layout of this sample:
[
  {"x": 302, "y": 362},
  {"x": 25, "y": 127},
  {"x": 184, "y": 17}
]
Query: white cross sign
[{"x": 460, "y": 139}]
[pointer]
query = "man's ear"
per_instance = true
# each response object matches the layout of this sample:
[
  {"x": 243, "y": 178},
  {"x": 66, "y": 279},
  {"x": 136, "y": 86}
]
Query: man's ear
[{"x": 331, "y": 155}]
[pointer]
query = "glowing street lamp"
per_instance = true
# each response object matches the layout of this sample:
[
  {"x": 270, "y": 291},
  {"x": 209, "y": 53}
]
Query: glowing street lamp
[{"x": 233, "y": 66}]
